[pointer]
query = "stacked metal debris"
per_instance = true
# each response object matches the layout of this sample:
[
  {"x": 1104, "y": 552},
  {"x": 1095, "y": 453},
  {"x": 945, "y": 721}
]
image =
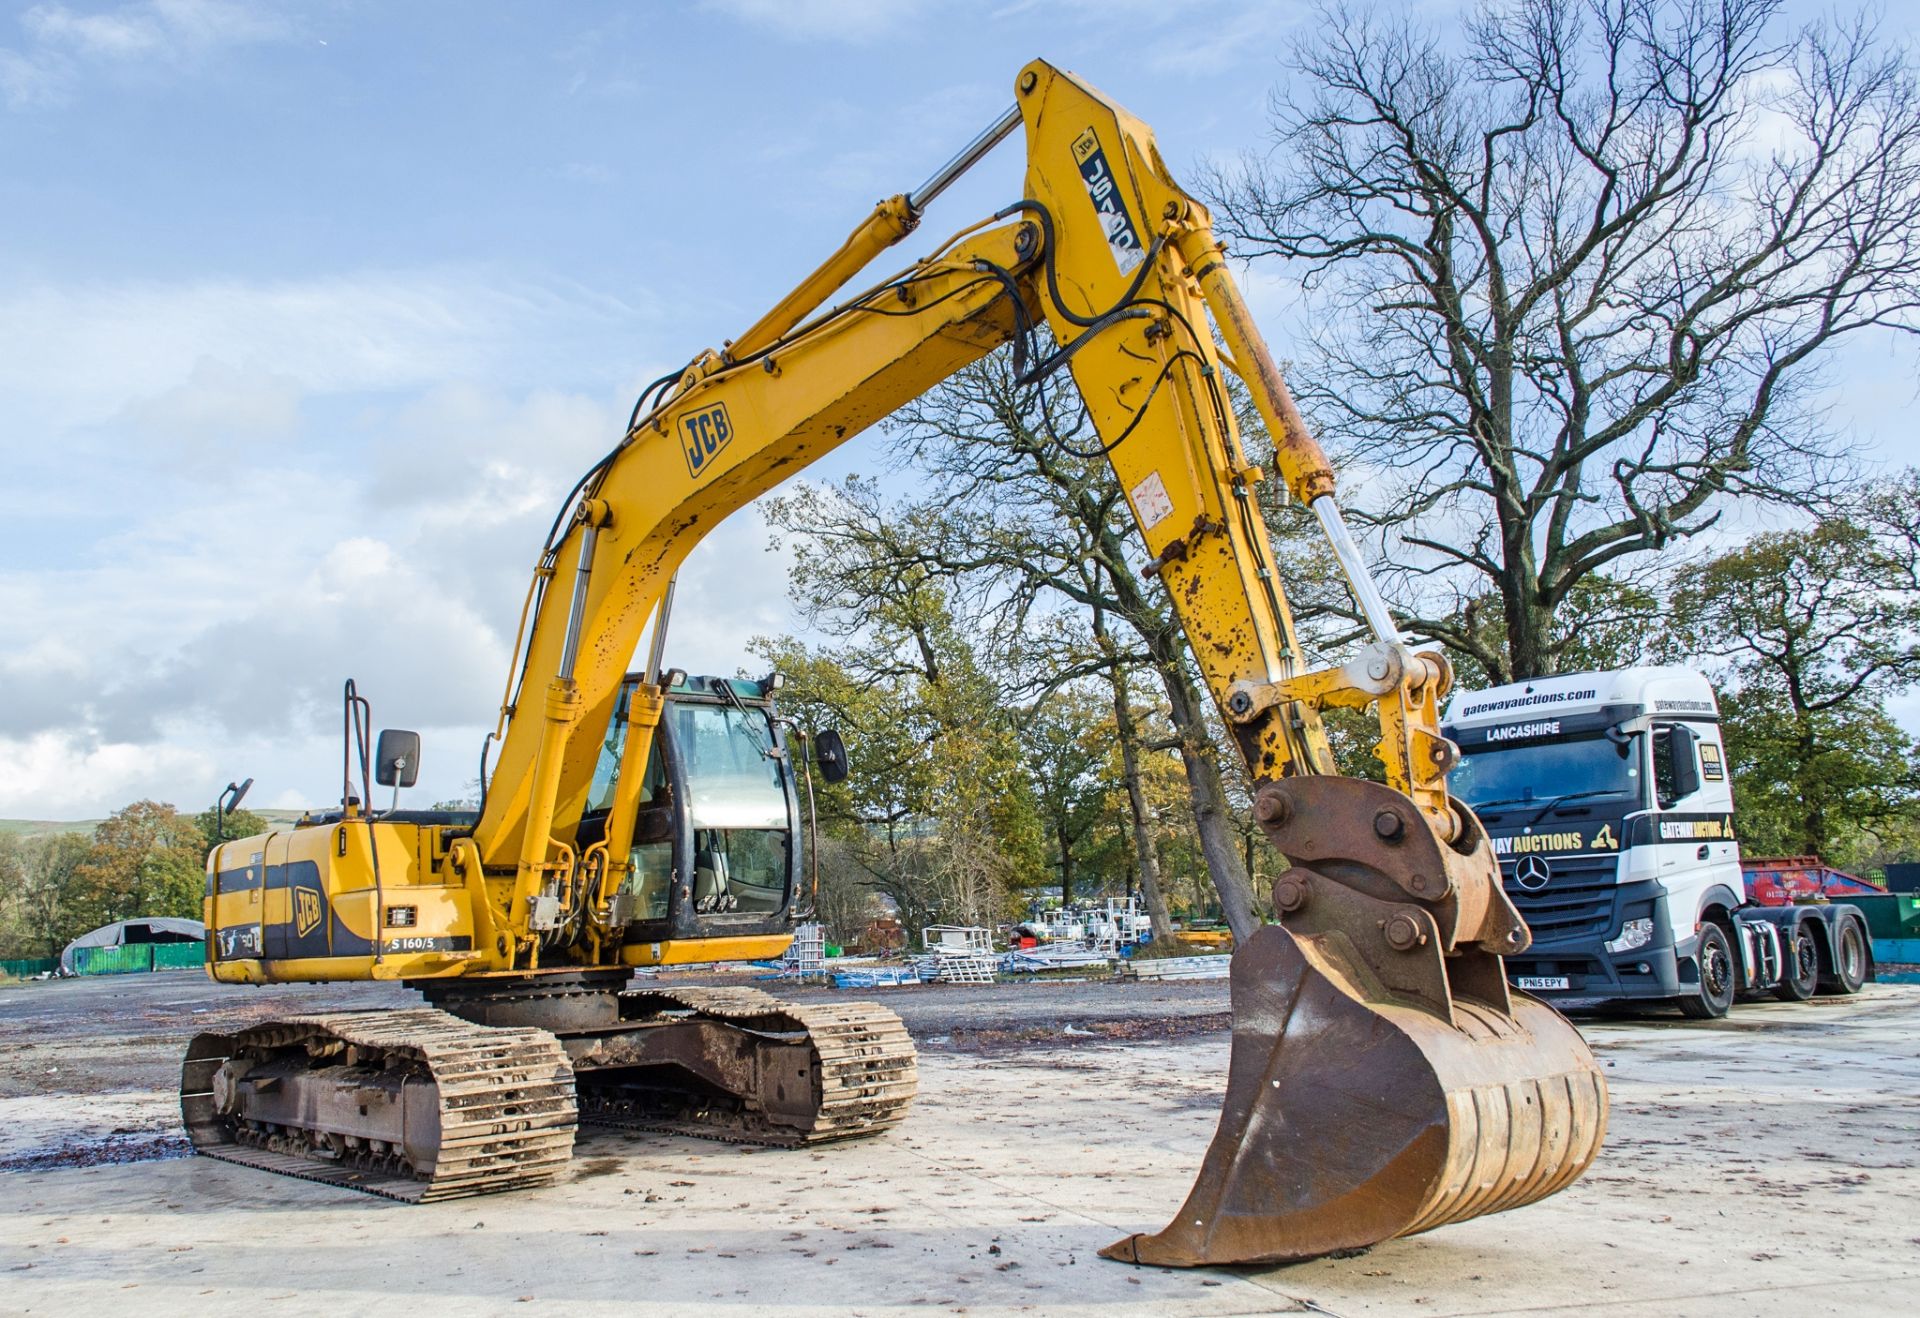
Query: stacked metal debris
[
  {"x": 1177, "y": 967},
  {"x": 1053, "y": 956}
]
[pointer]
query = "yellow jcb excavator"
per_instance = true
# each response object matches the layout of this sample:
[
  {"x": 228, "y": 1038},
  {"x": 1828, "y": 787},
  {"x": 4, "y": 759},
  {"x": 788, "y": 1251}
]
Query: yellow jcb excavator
[{"x": 1384, "y": 1079}]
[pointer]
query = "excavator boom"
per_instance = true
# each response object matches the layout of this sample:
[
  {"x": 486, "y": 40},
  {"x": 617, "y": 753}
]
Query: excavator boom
[{"x": 1384, "y": 1078}]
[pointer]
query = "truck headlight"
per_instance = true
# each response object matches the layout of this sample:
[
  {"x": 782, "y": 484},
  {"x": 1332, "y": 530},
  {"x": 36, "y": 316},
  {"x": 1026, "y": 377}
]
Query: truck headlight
[{"x": 1634, "y": 933}]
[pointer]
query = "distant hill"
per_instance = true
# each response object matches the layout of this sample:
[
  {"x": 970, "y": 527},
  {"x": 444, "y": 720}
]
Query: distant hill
[{"x": 49, "y": 827}]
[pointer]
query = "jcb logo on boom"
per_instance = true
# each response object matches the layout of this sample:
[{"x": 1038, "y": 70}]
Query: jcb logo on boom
[{"x": 703, "y": 434}]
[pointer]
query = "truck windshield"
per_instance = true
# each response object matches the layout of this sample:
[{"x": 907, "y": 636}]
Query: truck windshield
[{"x": 1588, "y": 769}]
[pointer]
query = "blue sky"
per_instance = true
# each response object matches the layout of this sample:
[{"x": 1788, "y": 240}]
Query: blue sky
[{"x": 310, "y": 313}]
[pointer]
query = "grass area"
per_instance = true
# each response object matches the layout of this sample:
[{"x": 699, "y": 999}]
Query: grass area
[
  {"x": 35, "y": 828},
  {"x": 48, "y": 827}
]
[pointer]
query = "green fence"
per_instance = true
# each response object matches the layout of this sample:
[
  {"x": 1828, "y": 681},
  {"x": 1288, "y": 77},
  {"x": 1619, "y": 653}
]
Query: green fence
[
  {"x": 137, "y": 958},
  {"x": 28, "y": 968},
  {"x": 179, "y": 956}
]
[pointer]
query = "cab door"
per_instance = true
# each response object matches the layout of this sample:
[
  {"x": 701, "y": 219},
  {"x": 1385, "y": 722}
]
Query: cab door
[{"x": 1694, "y": 823}]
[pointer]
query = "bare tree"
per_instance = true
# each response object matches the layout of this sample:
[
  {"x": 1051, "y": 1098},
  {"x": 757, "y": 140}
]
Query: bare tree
[
  {"x": 1021, "y": 525},
  {"x": 1573, "y": 270}
]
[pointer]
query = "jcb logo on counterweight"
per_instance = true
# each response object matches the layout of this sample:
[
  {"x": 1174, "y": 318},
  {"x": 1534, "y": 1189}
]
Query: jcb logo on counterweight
[
  {"x": 703, "y": 434},
  {"x": 306, "y": 911}
]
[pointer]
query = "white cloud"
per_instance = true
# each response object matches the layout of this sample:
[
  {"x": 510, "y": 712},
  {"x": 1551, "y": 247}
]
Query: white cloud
[
  {"x": 25, "y": 81},
  {"x": 1238, "y": 34},
  {"x": 79, "y": 354},
  {"x": 218, "y": 410},
  {"x": 61, "y": 45},
  {"x": 265, "y": 542},
  {"x": 162, "y": 29},
  {"x": 55, "y": 775}
]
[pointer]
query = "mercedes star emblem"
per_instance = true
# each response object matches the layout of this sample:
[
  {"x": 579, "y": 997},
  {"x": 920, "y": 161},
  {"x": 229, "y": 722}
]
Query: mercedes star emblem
[{"x": 1532, "y": 873}]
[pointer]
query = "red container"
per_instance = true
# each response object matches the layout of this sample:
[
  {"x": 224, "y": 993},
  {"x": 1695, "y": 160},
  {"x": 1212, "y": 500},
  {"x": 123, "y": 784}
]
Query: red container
[{"x": 1785, "y": 880}]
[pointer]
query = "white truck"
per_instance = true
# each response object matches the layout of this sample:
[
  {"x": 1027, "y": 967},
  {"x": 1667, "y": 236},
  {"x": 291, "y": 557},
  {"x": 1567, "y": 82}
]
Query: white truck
[{"x": 1609, "y": 803}]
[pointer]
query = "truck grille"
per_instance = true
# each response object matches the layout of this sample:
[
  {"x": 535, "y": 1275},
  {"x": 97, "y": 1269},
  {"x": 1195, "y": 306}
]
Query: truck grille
[{"x": 1576, "y": 904}]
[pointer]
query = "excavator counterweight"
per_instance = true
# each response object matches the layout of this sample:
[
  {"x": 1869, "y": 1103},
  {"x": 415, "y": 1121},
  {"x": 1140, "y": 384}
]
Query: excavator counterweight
[{"x": 1384, "y": 1079}]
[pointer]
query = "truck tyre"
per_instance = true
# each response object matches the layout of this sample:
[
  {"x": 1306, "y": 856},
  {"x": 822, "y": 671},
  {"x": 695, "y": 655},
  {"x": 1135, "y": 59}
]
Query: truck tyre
[
  {"x": 1714, "y": 996},
  {"x": 1800, "y": 977},
  {"x": 1849, "y": 959}
]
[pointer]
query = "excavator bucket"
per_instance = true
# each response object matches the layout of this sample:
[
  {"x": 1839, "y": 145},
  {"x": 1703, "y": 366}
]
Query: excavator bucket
[{"x": 1379, "y": 1086}]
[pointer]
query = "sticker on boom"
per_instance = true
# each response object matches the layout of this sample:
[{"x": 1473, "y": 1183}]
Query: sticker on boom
[
  {"x": 703, "y": 433},
  {"x": 1104, "y": 188}
]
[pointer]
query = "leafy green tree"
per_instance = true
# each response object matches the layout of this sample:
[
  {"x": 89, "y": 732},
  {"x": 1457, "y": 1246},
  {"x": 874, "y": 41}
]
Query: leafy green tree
[
  {"x": 145, "y": 859},
  {"x": 1824, "y": 782},
  {"x": 40, "y": 909},
  {"x": 1602, "y": 622},
  {"x": 1068, "y": 737},
  {"x": 238, "y": 824},
  {"x": 1818, "y": 629},
  {"x": 938, "y": 809}
]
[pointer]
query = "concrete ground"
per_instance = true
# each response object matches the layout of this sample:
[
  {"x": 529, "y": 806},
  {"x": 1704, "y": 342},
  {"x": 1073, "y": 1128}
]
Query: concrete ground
[{"x": 1769, "y": 1164}]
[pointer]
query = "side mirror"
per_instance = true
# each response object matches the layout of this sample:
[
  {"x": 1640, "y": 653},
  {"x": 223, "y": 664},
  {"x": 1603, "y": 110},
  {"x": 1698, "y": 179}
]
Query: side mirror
[
  {"x": 397, "y": 760},
  {"x": 1686, "y": 765},
  {"x": 228, "y": 802},
  {"x": 830, "y": 753}
]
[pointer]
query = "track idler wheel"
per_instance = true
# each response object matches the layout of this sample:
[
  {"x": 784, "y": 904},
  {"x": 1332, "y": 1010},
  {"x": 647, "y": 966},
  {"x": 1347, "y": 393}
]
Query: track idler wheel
[{"x": 1379, "y": 1085}]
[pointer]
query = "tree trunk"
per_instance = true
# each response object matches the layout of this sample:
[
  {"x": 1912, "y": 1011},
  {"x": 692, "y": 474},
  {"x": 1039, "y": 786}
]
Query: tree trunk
[
  {"x": 1529, "y": 626},
  {"x": 1813, "y": 824},
  {"x": 1066, "y": 861},
  {"x": 1146, "y": 861},
  {"x": 1211, "y": 819}
]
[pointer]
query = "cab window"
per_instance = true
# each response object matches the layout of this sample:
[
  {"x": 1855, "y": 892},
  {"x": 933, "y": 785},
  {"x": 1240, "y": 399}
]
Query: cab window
[{"x": 607, "y": 767}]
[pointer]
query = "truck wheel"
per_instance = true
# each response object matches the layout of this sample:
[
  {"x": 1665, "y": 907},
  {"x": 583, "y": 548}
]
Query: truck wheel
[
  {"x": 1714, "y": 997},
  {"x": 1849, "y": 959},
  {"x": 1801, "y": 975}
]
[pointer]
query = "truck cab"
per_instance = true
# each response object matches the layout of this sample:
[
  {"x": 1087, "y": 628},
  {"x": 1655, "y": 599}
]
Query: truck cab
[
  {"x": 1610, "y": 808},
  {"x": 1608, "y": 800}
]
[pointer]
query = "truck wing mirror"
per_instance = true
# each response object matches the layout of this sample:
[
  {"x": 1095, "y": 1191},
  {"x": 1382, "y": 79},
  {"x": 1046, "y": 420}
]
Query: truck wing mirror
[
  {"x": 830, "y": 753},
  {"x": 1686, "y": 765},
  {"x": 397, "y": 760}
]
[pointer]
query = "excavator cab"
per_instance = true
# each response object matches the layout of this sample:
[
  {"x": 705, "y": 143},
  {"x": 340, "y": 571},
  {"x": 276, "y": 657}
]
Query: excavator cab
[{"x": 714, "y": 841}]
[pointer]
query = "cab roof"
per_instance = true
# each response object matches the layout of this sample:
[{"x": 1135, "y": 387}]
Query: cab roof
[
  {"x": 699, "y": 685},
  {"x": 1651, "y": 689}
]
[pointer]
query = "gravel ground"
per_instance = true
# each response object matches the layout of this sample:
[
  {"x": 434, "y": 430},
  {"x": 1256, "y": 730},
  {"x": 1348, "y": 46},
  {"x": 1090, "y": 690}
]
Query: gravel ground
[
  {"x": 1764, "y": 1165},
  {"x": 88, "y": 1066},
  {"x": 121, "y": 1032}
]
